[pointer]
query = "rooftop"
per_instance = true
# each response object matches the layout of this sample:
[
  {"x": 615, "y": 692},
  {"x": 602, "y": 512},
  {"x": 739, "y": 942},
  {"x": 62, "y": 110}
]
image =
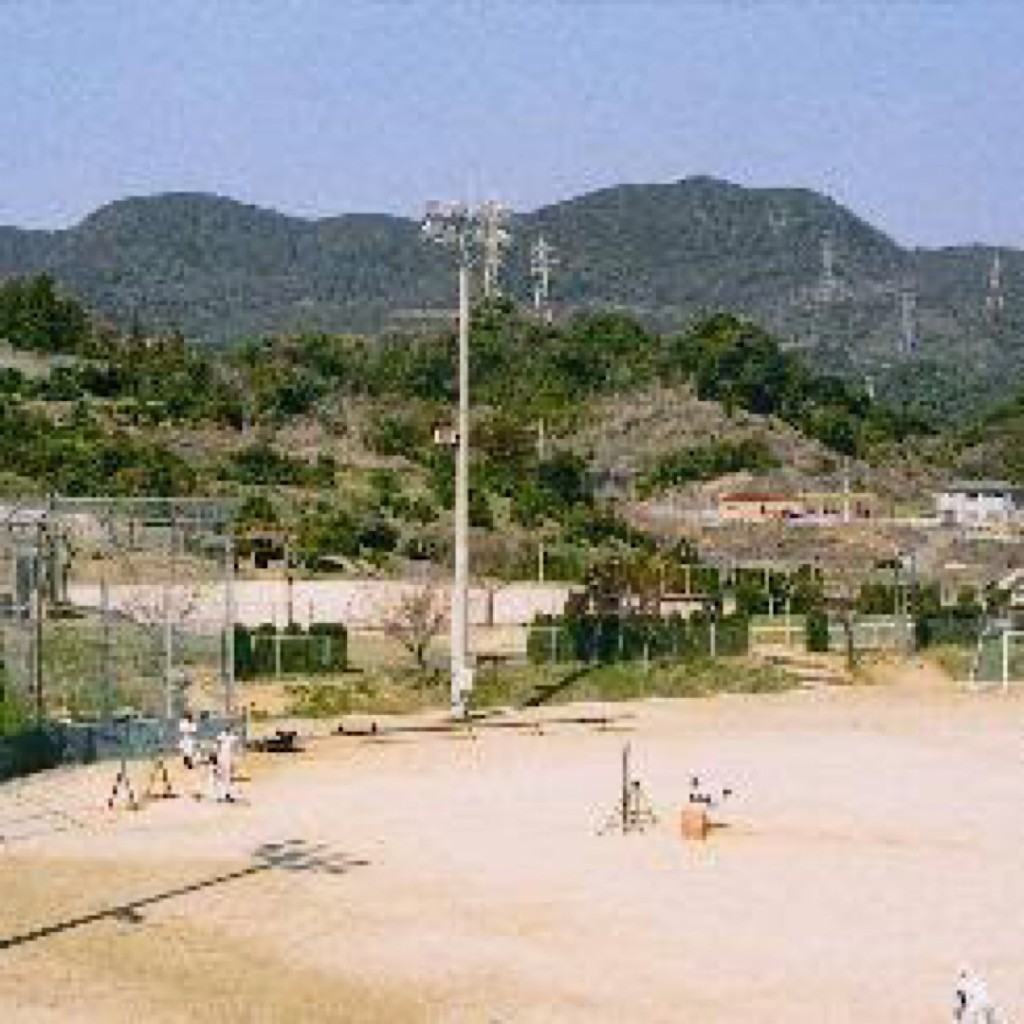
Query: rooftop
[
  {"x": 979, "y": 486},
  {"x": 755, "y": 496}
]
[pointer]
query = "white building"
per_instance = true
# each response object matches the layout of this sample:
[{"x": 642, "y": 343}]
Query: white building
[{"x": 978, "y": 503}]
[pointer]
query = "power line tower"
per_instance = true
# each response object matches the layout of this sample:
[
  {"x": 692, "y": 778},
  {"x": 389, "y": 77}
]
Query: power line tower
[
  {"x": 828, "y": 285},
  {"x": 994, "y": 300},
  {"x": 542, "y": 261},
  {"x": 908, "y": 321},
  {"x": 494, "y": 239},
  {"x": 823, "y": 292}
]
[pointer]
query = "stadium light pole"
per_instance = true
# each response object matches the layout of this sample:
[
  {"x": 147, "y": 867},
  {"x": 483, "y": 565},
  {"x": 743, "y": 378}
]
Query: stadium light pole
[{"x": 455, "y": 226}]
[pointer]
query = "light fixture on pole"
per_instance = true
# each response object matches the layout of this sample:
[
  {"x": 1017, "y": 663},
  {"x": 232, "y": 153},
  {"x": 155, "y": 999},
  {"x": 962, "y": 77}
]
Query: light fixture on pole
[{"x": 457, "y": 227}]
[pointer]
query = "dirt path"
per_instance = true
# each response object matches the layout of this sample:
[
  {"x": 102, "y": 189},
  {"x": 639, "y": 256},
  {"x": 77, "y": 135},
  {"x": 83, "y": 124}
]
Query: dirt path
[{"x": 873, "y": 845}]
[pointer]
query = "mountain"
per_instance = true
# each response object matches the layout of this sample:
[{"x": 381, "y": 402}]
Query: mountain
[{"x": 219, "y": 269}]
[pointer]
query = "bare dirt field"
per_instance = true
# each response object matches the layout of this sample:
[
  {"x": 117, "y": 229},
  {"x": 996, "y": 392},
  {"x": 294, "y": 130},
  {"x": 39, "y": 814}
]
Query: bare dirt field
[{"x": 873, "y": 845}]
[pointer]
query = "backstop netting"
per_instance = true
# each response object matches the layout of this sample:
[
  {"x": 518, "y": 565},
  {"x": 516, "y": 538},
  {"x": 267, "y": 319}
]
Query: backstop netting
[{"x": 117, "y": 608}]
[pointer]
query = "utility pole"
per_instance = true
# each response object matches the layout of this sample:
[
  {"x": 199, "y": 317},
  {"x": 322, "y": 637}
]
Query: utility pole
[
  {"x": 542, "y": 262},
  {"x": 458, "y": 227},
  {"x": 38, "y": 610},
  {"x": 541, "y": 452},
  {"x": 228, "y": 662}
]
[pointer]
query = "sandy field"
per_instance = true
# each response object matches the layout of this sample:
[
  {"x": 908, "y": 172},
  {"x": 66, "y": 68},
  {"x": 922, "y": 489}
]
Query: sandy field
[{"x": 873, "y": 845}]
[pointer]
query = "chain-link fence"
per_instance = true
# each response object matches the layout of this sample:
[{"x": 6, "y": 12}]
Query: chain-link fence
[
  {"x": 604, "y": 639},
  {"x": 117, "y": 609},
  {"x": 269, "y": 653}
]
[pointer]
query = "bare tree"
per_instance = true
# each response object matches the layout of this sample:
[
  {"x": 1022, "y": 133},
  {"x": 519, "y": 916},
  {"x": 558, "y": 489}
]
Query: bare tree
[
  {"x": 156, "y": 604},
  {"x": 844, "y": 579},
  {"x": 416, "y": 619}
]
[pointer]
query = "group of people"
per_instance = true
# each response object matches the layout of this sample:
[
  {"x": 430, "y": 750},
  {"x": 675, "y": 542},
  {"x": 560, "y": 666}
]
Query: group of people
[{"x": 218, "y": 759}]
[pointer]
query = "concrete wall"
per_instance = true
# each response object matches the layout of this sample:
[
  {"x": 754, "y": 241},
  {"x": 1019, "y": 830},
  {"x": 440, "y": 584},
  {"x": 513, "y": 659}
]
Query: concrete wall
[{"x": 358, "y": 603}]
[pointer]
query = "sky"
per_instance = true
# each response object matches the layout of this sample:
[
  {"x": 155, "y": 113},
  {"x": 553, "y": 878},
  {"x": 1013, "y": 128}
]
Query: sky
[{"x": 909, "y": 113}]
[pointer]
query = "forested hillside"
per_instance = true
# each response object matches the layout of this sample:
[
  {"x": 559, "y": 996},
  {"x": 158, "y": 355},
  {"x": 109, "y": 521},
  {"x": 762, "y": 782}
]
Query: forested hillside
[
  {"x": 334, "y": 436},
  {"x": 671, "y": 254}
]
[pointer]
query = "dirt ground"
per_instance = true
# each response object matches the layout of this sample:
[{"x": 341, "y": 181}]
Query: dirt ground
[{"x": 873, "y": 845}]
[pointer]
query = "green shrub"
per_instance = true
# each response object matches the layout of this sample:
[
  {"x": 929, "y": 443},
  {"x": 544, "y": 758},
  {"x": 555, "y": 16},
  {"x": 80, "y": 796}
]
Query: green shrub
[
  {"x": 817, "y": 632},
  {"x": 708, "y": 462},
  {"x": 610, "y": 638},
  {"x": 322, "y": 650}
]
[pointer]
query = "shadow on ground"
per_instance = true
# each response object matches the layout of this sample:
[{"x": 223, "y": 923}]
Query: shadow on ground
[
  {"x": 545, "y": 692},
  {"x": 295, "y": 855}
]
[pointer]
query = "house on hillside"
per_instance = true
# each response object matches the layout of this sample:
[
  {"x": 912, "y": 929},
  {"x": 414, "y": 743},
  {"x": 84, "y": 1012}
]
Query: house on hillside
[
  {"x": 978, "y": 503},
  {"x": 756, "y": 507},
  {"x": 814, "y": 507},
  {"x": 839, "y": 506},
  {"x": 261, "y": 547}
]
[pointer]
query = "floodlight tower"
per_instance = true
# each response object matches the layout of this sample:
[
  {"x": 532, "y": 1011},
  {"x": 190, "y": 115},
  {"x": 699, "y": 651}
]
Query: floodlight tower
[
  {"x": 454, "y": 225},
  {"x": 494, "y": 238},
  {"x": 542, "y": 261}
]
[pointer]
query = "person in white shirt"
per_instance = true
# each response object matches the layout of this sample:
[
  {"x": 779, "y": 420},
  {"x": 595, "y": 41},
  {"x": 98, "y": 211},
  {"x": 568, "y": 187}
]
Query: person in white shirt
[
  {"x": 187, "y": 732},
  {"x": 224, "y": 765},
  {"x": 972, "y": 1004}
]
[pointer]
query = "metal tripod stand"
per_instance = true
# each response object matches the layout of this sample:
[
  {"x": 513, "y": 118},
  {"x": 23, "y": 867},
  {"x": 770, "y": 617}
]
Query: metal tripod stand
[{"x": 633, "y": 811}]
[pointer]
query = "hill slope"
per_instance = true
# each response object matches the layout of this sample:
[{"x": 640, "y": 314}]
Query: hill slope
[{"x": 219, "y": 269}]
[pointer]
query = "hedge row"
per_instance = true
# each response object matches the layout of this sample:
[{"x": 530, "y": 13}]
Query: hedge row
[
  {"x": 611, "y": 638},
  {"x": 30, "y": 750},
  {"x": 958, "y": 626}
]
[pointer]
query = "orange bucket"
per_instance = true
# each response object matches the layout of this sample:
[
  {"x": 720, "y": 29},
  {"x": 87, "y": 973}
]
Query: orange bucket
[{"x": 694, "y": 821}]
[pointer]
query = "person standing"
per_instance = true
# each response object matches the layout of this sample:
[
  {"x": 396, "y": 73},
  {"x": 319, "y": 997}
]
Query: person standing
[
  {"x": 187, "y": 733},
  {"x": 972, "y": 1004},
  {"x": 225, "y": 763}
]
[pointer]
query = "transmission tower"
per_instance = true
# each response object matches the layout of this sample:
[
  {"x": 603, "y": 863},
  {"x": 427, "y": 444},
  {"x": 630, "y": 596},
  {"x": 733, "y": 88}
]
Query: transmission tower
[
  {"x": 542, "y": 262},
  {"x": 994, "y": 299},
  {"x": 494, "y": 239},
  {"x": 908, "y": 321},
  {"x": 828, "y": 286},
  {"x": 777, "y": 221}
]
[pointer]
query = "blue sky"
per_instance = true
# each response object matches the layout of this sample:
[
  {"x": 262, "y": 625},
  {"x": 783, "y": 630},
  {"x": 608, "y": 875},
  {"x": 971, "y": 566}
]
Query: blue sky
[{"x": 909, "y": 113}]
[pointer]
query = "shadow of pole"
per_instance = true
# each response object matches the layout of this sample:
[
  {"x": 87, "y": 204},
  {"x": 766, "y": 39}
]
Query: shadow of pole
[
  {"x": 288, "y": 855},
  {"x": 546, "y": 691}
]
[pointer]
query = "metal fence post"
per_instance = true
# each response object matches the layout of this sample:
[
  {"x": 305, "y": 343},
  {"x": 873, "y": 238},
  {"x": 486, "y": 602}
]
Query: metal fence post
[{"x": 229, "y": 623}]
